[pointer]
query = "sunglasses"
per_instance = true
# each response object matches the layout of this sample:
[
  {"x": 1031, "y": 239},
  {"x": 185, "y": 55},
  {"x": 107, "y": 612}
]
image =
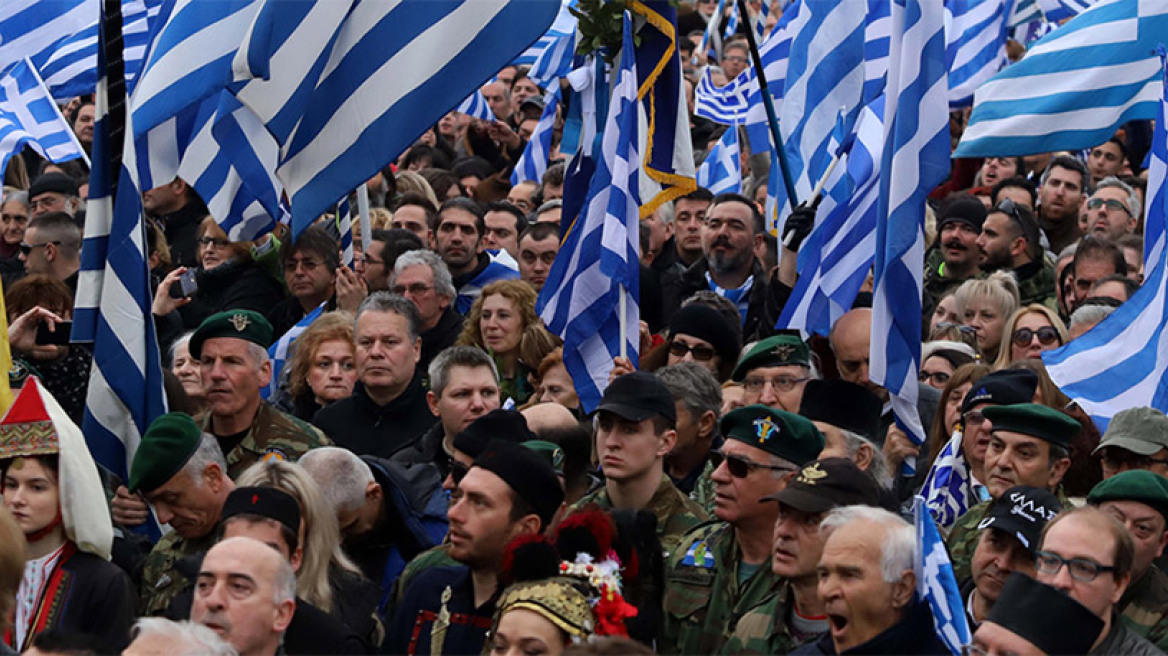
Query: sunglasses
[
  {"x": 1047, "y": 335},
  {"x": 1109, "y": 203},
  {"x": 740, "y": 467},
  {"x": 27, "y": 248},
  {"x": 700, "y": 353}
]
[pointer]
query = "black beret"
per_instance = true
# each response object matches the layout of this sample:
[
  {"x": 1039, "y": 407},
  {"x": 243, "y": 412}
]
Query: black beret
[
  {"x": 778, "y": 432},
  {"x": 1045, "y": 616},
  {"x": 168, "y": 444},
  {"x": 707, "y": 324},
  {"x": 1004, "y": 387},
  {"x": 53, "y": 182},
  {"x": 269, "y": 502},
  {"x": 247, "y": 325},
  {"x": 844, "y": 405},
  {"x": 527, "y": 473},
  {"x": 638, "y": 396},
  {"x": 506, "y": 425}
]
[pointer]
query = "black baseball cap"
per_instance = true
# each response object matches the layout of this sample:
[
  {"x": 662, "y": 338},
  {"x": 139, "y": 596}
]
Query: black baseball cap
[
  {"x": 1022, "y": 512},
  {"x": 638, "y": 396},
  {"x": 826, "y": 484}
]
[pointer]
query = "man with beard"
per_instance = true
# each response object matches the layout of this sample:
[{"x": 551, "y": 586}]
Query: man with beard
[
  {"x": 955, "y": 260},
  {"x": 457, "y": 238},
  {"x": 1008, "y": 537},
  {"x": 1063, "y": 187},
  {"x": 1010, "y": 240},
  {"x": 732, "y": 232}
]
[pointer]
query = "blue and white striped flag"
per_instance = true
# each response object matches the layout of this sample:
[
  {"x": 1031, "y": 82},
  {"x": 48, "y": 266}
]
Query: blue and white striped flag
[
  {"x": 1051, "y": 11},
  {"x": 1123, "y": 362},
  {"x": 282, "y": 350},
  {"x": 914, "y": 161},
  {"x": 976, "y": 32},
  {"x": 726, "y": 104},
  {"x": 476, "y": 106},
  {"x": 598, "y": 261},
  {"x": 936, "y": 583},
  {"x": 839, "y": 252},
  {"x": 552, "y": 55},
  {"x": 345, "y": 230},
  {"x": 533, "y": 162},
  {"x": 28, "y": 116},
  {"x": 947, "y": 491},
  {"x": 711, "y": 43},
  {"x": 34, "y": 28},
  {"x": 1075, "y": 86},
  {"x": 721, "y": 172},
  {"x": 112, "y": 309}
]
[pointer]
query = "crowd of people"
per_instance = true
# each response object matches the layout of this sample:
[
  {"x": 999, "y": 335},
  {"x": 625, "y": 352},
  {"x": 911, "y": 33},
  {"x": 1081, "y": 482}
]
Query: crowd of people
[{"x": 418, "y": 475}]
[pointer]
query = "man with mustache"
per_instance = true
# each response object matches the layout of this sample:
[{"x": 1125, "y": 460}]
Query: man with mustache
[
  {"x": 1008, "y": 538},
  {"x": 955, "y": 259},
  {"x": 457, "y": 239}
]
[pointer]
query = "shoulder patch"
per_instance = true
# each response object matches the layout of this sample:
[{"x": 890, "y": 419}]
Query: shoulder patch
[
  {"x": 699, "y": 555},
  {"x": 274, "y": 453}
]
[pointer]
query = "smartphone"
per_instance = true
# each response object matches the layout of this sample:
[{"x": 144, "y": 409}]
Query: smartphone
[
  {"x": 185, "y": 286},
  {"x": 58, "y": 337}
]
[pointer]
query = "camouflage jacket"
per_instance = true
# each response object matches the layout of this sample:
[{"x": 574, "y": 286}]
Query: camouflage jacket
[
  {"x": 1036, "y": 284},
  {"x": 766, "y": 629},
  {"x": 674, "y": 511},
  {"x": 703, "y": 600},
  {"x": 161, "y": 580},
  {"x": 963, "y": 539},
  {"x": 1144, "y": 607},
  {"x": 273, "y": 434},
  {"x": 703, "y": 492}
]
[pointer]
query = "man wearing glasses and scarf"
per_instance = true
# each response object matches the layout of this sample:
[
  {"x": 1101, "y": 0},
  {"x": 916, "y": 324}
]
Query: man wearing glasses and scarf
[
  {"x": 722, "y": 568},
  {"x": 1010, "y": 240}
]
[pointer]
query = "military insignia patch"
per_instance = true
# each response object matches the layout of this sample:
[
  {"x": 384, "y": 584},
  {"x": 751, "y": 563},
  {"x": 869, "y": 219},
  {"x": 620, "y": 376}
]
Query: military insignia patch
[
  {"x": 273, "y": 454},
  {"x": 240, "y": 322},
  {"x": 699, "y": 556},
  {"x": 784, "y": 352},
  {"x": 765, "y": 428},
  {"x": 811, "y": 474}
]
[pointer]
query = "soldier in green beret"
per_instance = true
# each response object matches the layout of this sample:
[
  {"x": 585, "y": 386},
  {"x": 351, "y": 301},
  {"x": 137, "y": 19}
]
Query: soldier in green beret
[
  {"x": 232, "y": 349},
  {"x": 1139, "y": 500},
  {"x": 774, "y": 372},
  {"x": 722, "y": 568},
  {"x": 1029, "y": 445},
  {"x": 181, "y": 471}
]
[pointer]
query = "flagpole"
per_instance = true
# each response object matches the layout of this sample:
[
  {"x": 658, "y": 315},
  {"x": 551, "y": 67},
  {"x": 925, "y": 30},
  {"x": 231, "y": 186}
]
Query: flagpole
[
  {"x": 363, "y": 212},
  {"x": 624, "y": 324},
  {"x": 772, "y": 119}
]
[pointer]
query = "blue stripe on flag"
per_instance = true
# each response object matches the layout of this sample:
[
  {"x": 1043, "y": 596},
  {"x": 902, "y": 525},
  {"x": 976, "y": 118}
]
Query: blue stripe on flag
[
  {"x": 936, "y": 583},
  {"x": 28, "y": 116},
  {"x": 721, "y": 172},
  {"x": 533, "y": 162}
]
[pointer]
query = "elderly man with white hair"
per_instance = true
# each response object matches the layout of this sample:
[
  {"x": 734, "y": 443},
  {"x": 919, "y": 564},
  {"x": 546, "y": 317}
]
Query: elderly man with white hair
[
  {"x": 867, "y": 586},
  {"x": 158, "y": 636}
]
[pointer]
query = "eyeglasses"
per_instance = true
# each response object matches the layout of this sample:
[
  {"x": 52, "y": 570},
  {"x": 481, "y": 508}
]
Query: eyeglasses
[
  {"x": 306, "y": 264},
  {"x": 1080, "y": 569},
  {"x": 700, "y": 353},
  {"x": 27, "y": 248},
  {"x": 740, "y": 467},
  {"x": 735, "y": 58},
  {"x": 934, "y": 377},
  {"x": 417, "y": 289},
  {"x": 1115, "y": 458},
  {"x": 972, "y": 418},
  {"x": 781, "y": 383},
  {"x": 214, "y": 241},
  {"x": 959, "y": 326},
  {"x": 1110, "y": 203},
  {"x": 1047, "y": 335}
]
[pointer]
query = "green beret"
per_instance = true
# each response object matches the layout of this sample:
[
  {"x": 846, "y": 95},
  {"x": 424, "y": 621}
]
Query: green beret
[
  {"x": 774, "y": 351},
  {"x": 1135, "y": 485},
  {"x": 167, "y": 445},
  {"x": 247, "y": 325},
  {"x": 780, "y": 433},
  {"x": 1034, "y": 420},
  {"x": 549, "y": 450}
]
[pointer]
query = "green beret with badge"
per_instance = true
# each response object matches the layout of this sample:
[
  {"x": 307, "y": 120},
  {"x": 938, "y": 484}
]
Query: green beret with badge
[
  {"x": 549, "y": 450},
  {"x": 168, "y": 444},
  {"x": 248, "y": 325},
  {"x": 778, "y": 432},
  {"x": 1034, "y": 420},
  {"x": 1134, "y": 485},
  {"x": 777, "y": 351}
]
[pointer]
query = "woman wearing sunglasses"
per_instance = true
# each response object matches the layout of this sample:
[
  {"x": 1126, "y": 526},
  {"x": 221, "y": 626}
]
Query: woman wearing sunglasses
[
  {"x": 699, "y": 334},
  {"x": 1031, "y": 330}
]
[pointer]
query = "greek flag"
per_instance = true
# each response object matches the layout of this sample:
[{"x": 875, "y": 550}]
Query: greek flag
[
  {"x": 947, "y": 490},
  {"x": 726, "y": 104},
  {"x": 1075, "y": 86},
  {"x": 282, "y": 350},
  {"x": 721, "y": 173},
  {"x": 1123, "y": 362},
  {"x": 34, "y": 28},
  {"x": 475, "y": 106},
  {"x": 28, "y": 116},
  {"x": 976, "y": 34},
  {"x": 552, "y": 55},
  {"x": 936, "y": 583},
  {"x": 711, "y": 44},
  {"x": 345, "y": 230},
  {"x": 112, "y": 309},
  {"x": 838, "y": 254},
  {"x": 914, "y": 161},
  {"x": 533, "y": 162},
  {"x": 1051, "y": 11},
  {"x": 598, "y": 262}
]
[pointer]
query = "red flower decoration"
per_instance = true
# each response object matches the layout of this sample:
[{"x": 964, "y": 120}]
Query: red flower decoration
[{"x": 611, "y": 612}]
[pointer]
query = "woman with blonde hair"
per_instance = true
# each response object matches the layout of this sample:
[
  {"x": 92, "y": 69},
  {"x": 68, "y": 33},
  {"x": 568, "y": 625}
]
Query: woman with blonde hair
[
  {"x": 328, "y": 578},
  {"x": 503, "y": 322},
  {"x": 408, "y": 181},
  {"x": 984, "y": 305},
  {"x": 1030, "y": 331},
  {"x": 323, "y": 369}
]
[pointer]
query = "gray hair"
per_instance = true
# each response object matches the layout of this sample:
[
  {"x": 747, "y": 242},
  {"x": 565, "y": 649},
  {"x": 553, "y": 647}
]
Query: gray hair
[
  {"x": 340, "y": 474},
  {"x": 184, "y": 338},
  {"x": 185, "y": 638},
  {"x": 19, "y": 195},
  {"x": 694, "y": 386},
  {"x": 443, "y": 283},
  {"x": 549, "y": 205},
  {"x": 664, "y": 211},
  {"x": 1090, "y": 315},
  {"x": 387, "y": 302},
  {"x": 898, "y": 551},
  {"x": 457, "y": 356},
  {"x": 877, "y": 468},
  {"x": 207, "y": 453},
  {"x": 1133, "y": 200},
  {"x": 284, "y": 586},
  {"x": 259, "y": 354}
]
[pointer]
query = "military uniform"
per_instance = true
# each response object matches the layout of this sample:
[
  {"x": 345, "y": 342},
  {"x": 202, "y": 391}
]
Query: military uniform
[
  {"x": 675, "y": 512},
  {"x": 1144, "y": 607},
  {"x": 161, "y": 579},
  {"x": 766, "y": 628},
  {"x": 965, "y": 533},
  {"x": 703, "y": 490},
  {"x": 703, "y": 599},
  {"x": 1036, "y": 284},
  {"x": 273, "y": 434}
]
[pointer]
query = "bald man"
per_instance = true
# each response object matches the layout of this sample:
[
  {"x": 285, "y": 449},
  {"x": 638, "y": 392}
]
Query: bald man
[{"x": 549, "y": 416}]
